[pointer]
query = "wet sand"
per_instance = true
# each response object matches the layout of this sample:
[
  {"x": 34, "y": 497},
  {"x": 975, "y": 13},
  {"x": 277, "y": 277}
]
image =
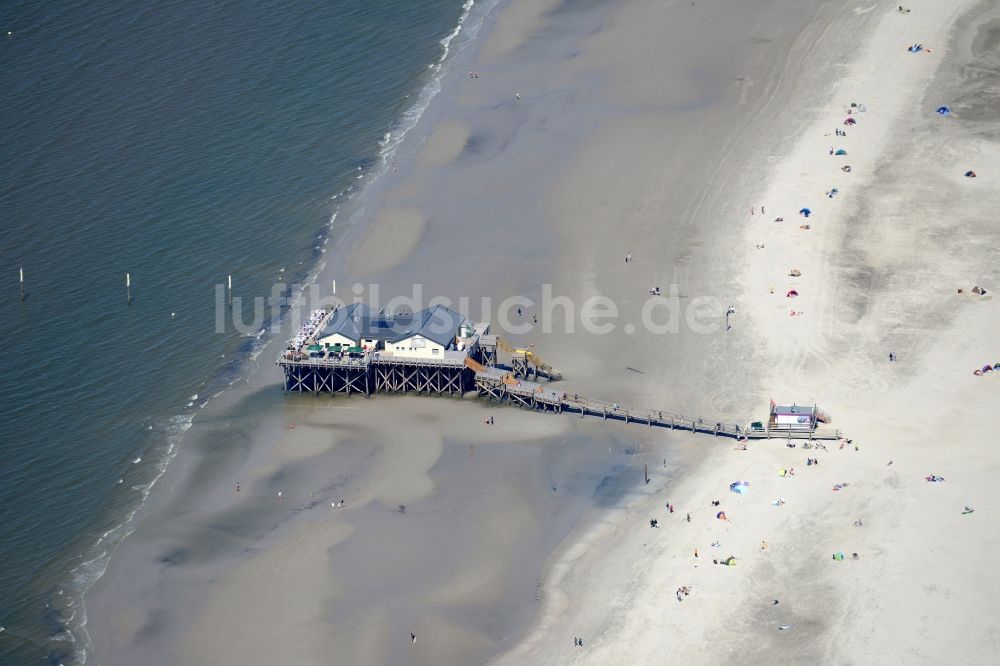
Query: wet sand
[{"x": 641, "y": 127}]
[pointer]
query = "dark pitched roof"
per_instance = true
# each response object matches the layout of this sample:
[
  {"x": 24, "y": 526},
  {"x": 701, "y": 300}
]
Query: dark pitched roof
[
  {"x": 437, "y": 323},
  {"x": 347, "y": 320},
  {"x": 357, "y": 322}
]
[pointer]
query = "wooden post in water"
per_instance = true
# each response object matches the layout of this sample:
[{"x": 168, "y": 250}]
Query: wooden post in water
[
  {"x": 128, "y": 288},
  {"x": 229, "y": 288},
  {"x": 21, "y": 281}
]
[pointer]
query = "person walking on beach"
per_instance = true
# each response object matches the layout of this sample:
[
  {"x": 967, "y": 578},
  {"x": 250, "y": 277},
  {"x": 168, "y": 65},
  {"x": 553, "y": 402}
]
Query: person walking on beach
[{"x": 413, "y": 637}]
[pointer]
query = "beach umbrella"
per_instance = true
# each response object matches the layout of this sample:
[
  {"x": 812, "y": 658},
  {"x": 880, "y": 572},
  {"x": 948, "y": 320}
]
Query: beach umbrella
[
  {"x": 840, "y": 151},
  {"x": 721, "y": 515},
  {"x": 806, "y": 212},
  {"x": 850, "y": 121},
  {"x": 943, "y": 110},
  {"x": 792, "y": 293},
  {"x": 795, "y": 272},
  {"x": 970, "y": 174}
]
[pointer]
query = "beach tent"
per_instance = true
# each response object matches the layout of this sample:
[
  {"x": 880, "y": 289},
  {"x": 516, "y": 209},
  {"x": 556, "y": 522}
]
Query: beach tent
[
  {"x": 970, "y": 174},
  {"x": 782, "y": 472},
  {"x": 740, "y": 487},
  {"x": 806, "y": 212},
  {"x": 850, "y": 121},
  {"x": 838, "y": 556},
  {"x": 792, "y": 293},
  {"x": 943, "y": 110},
  {"x": 729, "y": 561},
  {"x": 840, "y": 151},
  {"x": 721, "y": 515},
  {"x": 795, "y": 272}
]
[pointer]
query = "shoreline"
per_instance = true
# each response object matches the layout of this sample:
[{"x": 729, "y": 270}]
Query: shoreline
[
  {"x": 244, "y": 369},
  {"x": 202, "y": 500}
]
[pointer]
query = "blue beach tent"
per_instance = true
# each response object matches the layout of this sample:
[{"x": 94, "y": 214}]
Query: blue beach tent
[
  {"x": 943, "y": 110},
  {"x": 841, "y": 151},
  {"x": 740, "y": 487},
  {"x": 806, "y": 212}
]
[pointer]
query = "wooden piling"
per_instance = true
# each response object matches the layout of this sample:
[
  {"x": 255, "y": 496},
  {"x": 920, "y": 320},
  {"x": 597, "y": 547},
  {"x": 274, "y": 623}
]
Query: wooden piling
[
  {"x": 128, "y": 288},
  {"x": 21, "y": 281},
  {"x": 450, "y": 375}
]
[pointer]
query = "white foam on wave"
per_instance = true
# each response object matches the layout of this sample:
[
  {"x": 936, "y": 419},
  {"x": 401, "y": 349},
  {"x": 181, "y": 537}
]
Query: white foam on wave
[
  {"x": 391, "y": 140},
  {"x": 96, "y": 558}
]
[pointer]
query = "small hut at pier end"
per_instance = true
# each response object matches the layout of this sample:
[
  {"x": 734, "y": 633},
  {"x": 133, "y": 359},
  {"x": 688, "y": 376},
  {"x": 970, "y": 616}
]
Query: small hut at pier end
[{"x": 795, "y": 417}]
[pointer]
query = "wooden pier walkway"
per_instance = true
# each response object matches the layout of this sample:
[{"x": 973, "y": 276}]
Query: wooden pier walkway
[
  {"x": 475, "y": 368},
  {"x": 499, "y": 386}
]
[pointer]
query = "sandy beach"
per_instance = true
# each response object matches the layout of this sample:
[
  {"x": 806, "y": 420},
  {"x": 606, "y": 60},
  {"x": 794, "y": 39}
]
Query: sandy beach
[{"x": 676, "y": 134}]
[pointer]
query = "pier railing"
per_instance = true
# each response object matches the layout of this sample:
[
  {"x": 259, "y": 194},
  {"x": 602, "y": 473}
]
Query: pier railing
[{"x": 457, "y": 372}]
